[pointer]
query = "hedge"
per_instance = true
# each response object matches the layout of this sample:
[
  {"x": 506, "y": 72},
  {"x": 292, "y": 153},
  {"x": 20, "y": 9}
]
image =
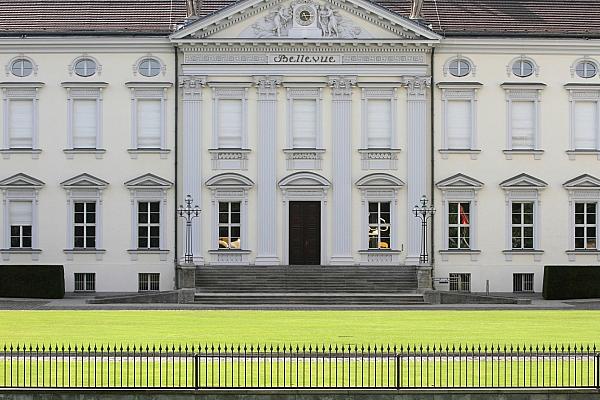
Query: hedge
[
  {"x": 571, "y": 282},
  {"x": 34, "y": 281}
]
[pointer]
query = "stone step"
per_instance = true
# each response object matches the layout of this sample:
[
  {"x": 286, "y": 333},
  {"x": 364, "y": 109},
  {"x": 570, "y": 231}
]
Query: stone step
[{"x": 308, "y": 298}]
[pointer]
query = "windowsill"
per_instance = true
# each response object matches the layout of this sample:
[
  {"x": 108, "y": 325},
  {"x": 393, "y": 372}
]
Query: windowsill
[
  {"x": 134, "y": 253},
  {"x": 239, "y": 251},
  {"x": 99, "y": 153},
  {"x": 229, "y": 159},
  {"x": 537, "y": 254},
  {"x": 305, "y": 158},
  {"x": 382, "y": 251},
  {"x": 572, "y": 254},
  {"x": 35, "y": 153},
  {"x": 574, "y": 153},
  {"x": 133, "y": 153},
  {"x": 303, "y": 150},
  {"x": 537, "y": 154},
  {"x": 97, "y": 252},
  {"x": 471, "y": 252},
  {"x": 379, "y": 256},
  {"x": 33, "y": 252},
  {"x": 379, "y": 158},
  {"x": 472, "y": 152}
]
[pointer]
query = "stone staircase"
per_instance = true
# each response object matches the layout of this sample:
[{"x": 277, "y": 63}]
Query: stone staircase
[{"x": 310, "y": 285}]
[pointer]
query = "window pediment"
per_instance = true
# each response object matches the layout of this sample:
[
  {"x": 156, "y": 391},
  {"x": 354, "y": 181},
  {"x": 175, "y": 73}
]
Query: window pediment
[
  {"x": 523, "y": 181},
  {"x": 230, "y": 180},
  {"x": 148, "y": 181},
  {"x": 379, "y": 181},
  {"x": 84, "y": 181},
  {"x": 21, "y": 181},
  {"x": 459, "y": 181},
  {"x": 584, "y": 181},
  {"x": 304, "y": 179}
]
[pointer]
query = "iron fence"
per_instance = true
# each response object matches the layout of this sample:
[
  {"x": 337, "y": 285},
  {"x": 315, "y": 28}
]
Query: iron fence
[{"x": 289, "y": 366}]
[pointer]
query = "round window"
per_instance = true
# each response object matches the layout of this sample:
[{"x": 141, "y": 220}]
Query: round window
[
  {"x": 586, "y": 69},
  {"x": 85, "y": 67},
  {"x": 523, "y": 68},
  {"x": 459, "y": 67},
  {"x": 149, "y": 67},
  {"x": 21, "y": 67}
]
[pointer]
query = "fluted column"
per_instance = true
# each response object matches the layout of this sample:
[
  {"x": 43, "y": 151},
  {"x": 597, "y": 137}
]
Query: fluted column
[
  {"x": 341, "y": 130},
  {"x": 266, "y": 180},
  {"x": 416, "y": 154},
  {"x": 191, "y": 91}
]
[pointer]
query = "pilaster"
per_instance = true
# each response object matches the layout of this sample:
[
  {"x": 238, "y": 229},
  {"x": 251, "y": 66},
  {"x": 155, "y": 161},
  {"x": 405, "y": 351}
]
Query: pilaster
[
  {"x": 266, "y": 87},
  {"x": 191, "y": 91},
  {"x": 417, "y": 167},
  {"x": 341, "y": 128}
]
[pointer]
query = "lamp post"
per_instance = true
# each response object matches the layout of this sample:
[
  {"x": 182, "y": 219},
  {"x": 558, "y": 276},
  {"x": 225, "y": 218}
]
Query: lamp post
[
  {"x": 188, "y": 213},
  {"x": 424, "y": 212}
]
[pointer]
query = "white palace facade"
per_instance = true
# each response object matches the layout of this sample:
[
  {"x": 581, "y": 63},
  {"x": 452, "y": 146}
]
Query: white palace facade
[{"x": 306, "y": 131}]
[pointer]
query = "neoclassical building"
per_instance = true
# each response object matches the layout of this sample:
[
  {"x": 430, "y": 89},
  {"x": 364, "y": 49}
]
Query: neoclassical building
[{"x": 306, "y": 131}]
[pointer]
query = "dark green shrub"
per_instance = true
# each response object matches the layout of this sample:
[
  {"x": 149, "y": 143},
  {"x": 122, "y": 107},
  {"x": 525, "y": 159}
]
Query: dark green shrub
[
  {"x": 35, "y": 281},
  {"x": 571, "y": 282}
]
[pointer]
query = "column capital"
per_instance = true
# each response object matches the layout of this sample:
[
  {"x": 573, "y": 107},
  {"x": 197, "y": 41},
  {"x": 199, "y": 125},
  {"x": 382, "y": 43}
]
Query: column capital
[
  {"x": 266, "y": 86},
  {"x": 192, "y": 85},
  {"x": 342, "y": 86},
  {"x": 417, "y": 86}
]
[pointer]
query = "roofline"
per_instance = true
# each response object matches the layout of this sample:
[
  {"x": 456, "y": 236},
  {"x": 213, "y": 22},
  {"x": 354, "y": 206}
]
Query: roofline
[{"x": 37, "y": 34}]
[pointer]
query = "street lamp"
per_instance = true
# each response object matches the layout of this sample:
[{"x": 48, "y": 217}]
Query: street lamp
[
  {"x": 189, "y": 213},
  {"x": 424, "y": 212}
]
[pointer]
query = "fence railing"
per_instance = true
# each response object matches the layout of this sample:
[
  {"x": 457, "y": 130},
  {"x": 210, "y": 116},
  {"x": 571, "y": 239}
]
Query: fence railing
[{"x": 262, "y": 366}]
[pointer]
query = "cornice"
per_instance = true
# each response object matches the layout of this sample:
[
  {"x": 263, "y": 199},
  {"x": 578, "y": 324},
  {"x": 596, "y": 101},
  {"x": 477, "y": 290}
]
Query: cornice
[
  {"x": 518, "y": 46},
  {"x": 48, "y": 45}
]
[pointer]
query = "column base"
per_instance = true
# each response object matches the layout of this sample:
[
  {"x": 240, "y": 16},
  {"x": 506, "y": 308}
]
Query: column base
[
  {"x": 412, "y": 260},
  {"x": 424, "y": 281},
  {"x": 341, "y": 260},
  {"x": 186, "y": 276},
  {"x": 186, "y": 296},
  {"x": 267, "y": 260}
]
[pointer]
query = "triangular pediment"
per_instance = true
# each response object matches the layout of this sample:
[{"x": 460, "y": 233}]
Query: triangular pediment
[
  {"x": 523, "y": 181},
  {"x": 584, "y": 181},
  {"x": 84, "y": 181},
  {"x": 459, "y": 181},
  {"x": 148, "y": 181},
  {"x": 21, "y": 181},
  {"x": 229, "y": 180},
  {"x": 379, "y": 180},
  {"x": 304, "y": 179},
  {"x": 304, "y": 19}
]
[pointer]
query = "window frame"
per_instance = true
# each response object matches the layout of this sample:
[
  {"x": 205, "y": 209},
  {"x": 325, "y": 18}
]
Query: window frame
[
  {"x": 458, "y": 279},
  {"x": 378, "y": 225},
  {"x": 509, "y": 67},
  {"x": 85, "y": 224},
  {"x": 523, "y": 93},
  {"x": 149, "y": 224},
  {"x": 586, "y": 225},
  {"x": 376, "y": 93},
  {"x": 472, "y": 67},
  {"x": 582, "y": 94},
  {"x": 19, "y": 92},
  {"x": 9, "y": 65},
  {"x": 21, "y": 236},
  {"x": 86, "y": 59},
  {"x": 229, "y": 225},
  {"x": 467, "y": 92},
  {"x": 149, "y": 60},
  {"x": 230, "y": 93},
  {"x": 304, "y": 93},
  {"x": 147, "y": 278},
  {"x": 458, "y": 61},
  {"x": 21, "y": 60},
  {"x": 521, "y": 279},
  {"x": 522, "y": 225},
  {"x": 85, "y": 282},
  {"x": 582, "y": 189}
]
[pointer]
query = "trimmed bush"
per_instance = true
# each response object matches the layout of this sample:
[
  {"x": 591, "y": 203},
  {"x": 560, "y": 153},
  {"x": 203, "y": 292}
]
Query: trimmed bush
[
  {"x": 35, "y": 281},
  {"x": 571, "y": 282}
]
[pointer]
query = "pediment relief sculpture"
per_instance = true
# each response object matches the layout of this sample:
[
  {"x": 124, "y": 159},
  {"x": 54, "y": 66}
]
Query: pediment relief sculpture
[{"x": 305, "y": 19}]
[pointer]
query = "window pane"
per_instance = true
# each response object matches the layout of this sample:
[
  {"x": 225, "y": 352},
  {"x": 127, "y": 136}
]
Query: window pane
[
  {"x": 90, "y": 242},
  {"x": 379, "y": 123},
  {"x": 142, "y": 218},
  {"x": 304, "y": 123},
  {"x": 223, "y": 206},
  {"x": 85, "y": 120},
  {"x": 149, "y": 124},
  {"x": 235, "y": 217},
  {"x": 585, "y": 124},
  {"x": 20, "y": 123},
  {"x": 458, "y": 120},
  {"x": 230, "y": 122},
  {"x": 523, "y": 124}
]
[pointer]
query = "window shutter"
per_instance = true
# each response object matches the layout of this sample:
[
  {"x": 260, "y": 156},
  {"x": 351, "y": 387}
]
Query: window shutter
[
  {"x": 523, "y": 124},
  {"x": 20, "y": 125},
  {"x": 379, "y": 123},
  {"x": 458, "y": 118},
  {"x": 148, "y": 123},
  {"x": 585, "y": 124},
  {"x": 304, "y": 123},
  {"x": 21, "y": 213},
  {"x": 85, "y": 123},
  {"x": 230, "y": 123}
]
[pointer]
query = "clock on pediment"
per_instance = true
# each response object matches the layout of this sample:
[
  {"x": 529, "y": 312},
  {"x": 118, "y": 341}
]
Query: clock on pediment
[{"x": 304, "y": 20}]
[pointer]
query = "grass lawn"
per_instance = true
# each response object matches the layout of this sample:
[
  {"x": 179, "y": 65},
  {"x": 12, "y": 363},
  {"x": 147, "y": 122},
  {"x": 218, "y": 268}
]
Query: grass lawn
[{"x": 300, "y": 327}]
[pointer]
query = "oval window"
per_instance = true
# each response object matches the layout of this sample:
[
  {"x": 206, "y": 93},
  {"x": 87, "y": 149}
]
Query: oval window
[
  {"x": 85, "y": 67},
  {"x": 21, "y": 67},
  {"x": 523, "y": 68},
  {"x": 149, "y": 67},
  {"x": 586, "y": 69},
  {"x": 459, "y": 67}
]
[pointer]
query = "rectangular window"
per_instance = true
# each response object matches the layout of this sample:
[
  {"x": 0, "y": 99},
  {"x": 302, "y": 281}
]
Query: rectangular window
[
  {"x": 460, "y": 282},
  {"x": 459, "y": 224},
  {"x": 149, "y": 124},
  {"x": 522, "y": 283},
  {"x": 229, "y": 225},
  {"x": 379, "y": 225},
  {"x": 21, "y": 221},
  {"x": 85, "y": 282},
  {"x": 84, "y": 226},
  {"x": 379, "y": 123},
  {"x": 522, "y": 225},
  {"x": 585, "y": 124},
  {"x": 20, "y": 124},
  {"x": 148, "y": 282},
  {"x": 230, "y": 120},
  {"x": 459, "y": 124},
  {"x": 586, "y": 234},
  {"x": 304, "y": 123},
  {"x": 523, "y": 124},
  {"x": 149, "y": 225},
  {"x": 85, "y": 123}
]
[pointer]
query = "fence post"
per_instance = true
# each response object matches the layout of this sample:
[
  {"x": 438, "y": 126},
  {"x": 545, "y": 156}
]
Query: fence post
[
  {"x": 597, "y": 370},
  {"x": 196, "y": 371},
  {"x": 397, "y": 371}
]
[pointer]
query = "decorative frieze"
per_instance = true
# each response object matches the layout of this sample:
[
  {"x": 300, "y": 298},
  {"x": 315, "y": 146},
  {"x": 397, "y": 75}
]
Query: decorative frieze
[
  {"x": 295, "y": 58},
  {"x": 303, "y": 159},
  {"x": 379, "y": 159}
]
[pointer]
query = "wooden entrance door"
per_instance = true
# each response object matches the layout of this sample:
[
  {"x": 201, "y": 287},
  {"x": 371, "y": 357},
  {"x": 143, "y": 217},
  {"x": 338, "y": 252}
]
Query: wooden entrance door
[{"x": 305, "y": 233}]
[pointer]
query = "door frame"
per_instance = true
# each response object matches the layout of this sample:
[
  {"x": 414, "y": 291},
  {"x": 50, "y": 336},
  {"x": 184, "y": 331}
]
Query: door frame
[{"x": 304, "y": 186}]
